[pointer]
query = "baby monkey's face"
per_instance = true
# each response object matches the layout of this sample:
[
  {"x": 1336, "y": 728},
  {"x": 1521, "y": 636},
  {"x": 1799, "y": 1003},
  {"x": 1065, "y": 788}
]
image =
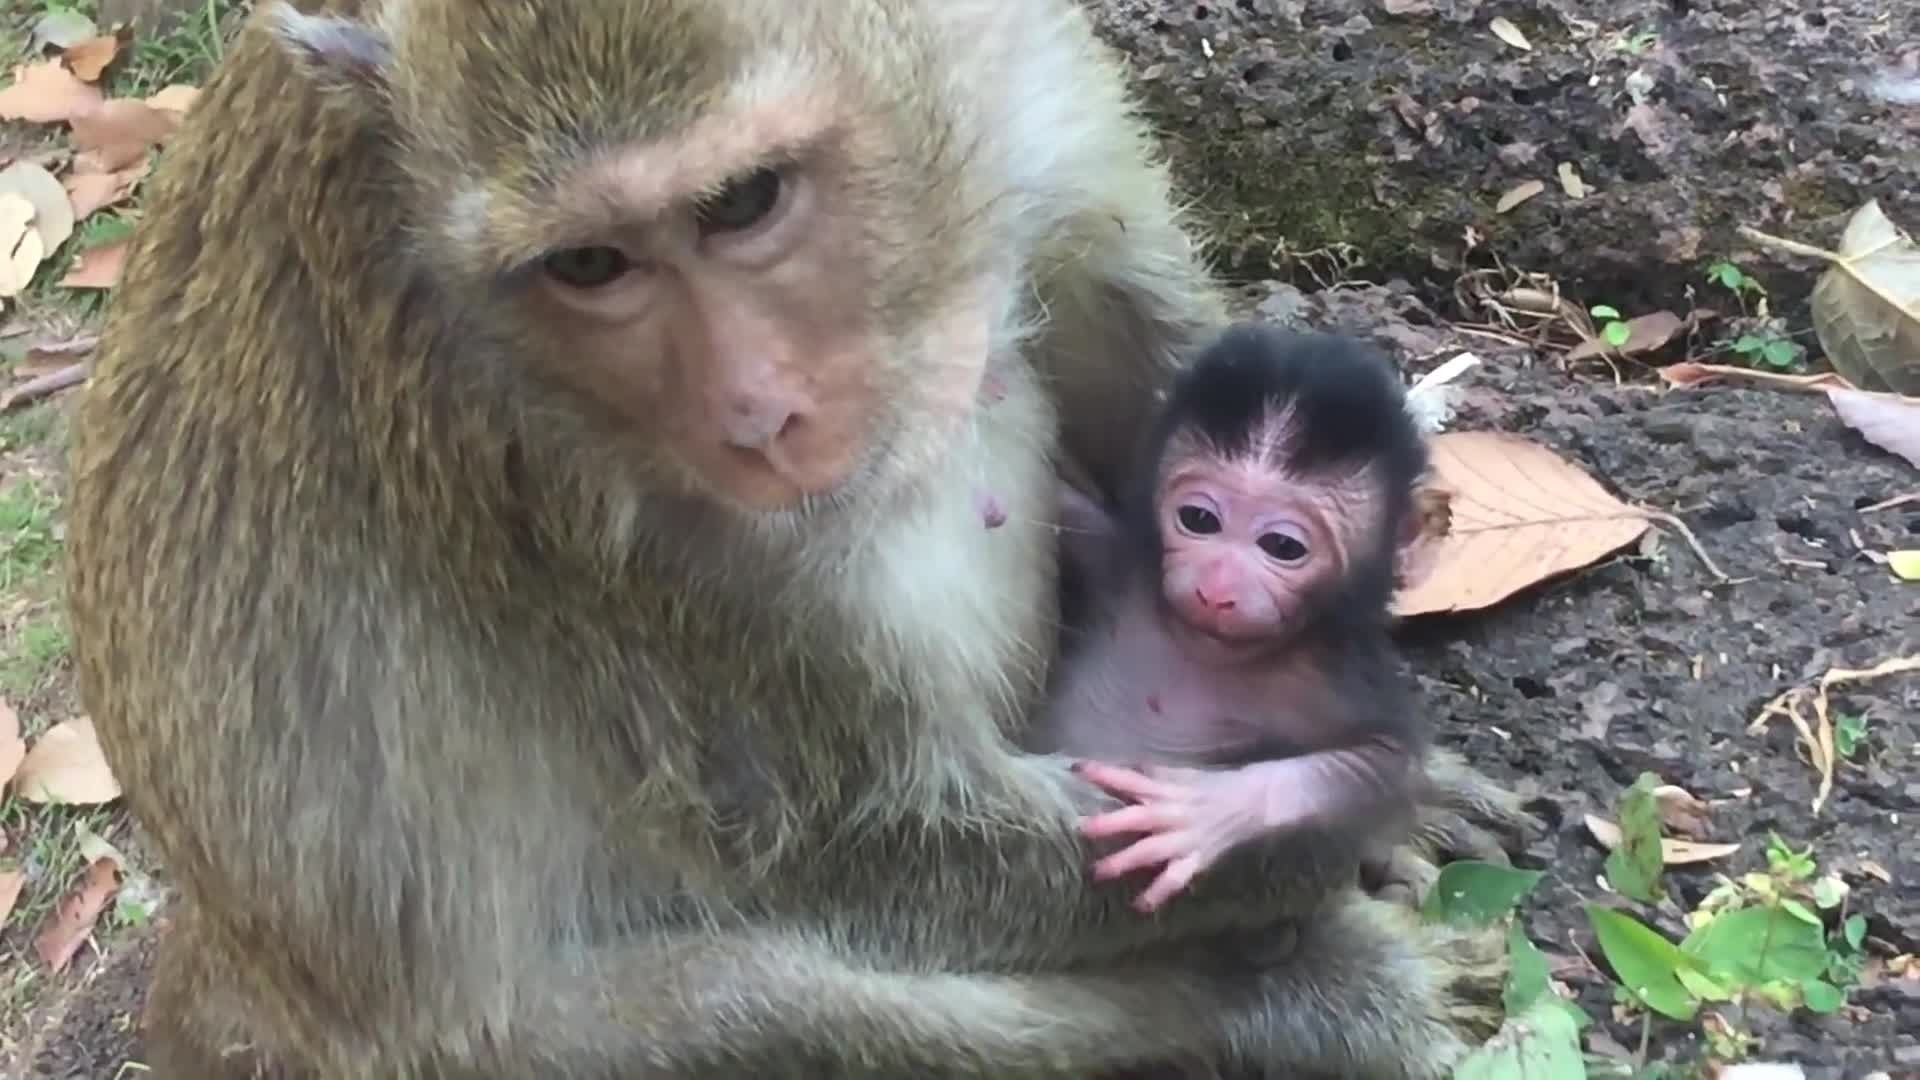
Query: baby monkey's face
[{"x": 1245, "y": 546}]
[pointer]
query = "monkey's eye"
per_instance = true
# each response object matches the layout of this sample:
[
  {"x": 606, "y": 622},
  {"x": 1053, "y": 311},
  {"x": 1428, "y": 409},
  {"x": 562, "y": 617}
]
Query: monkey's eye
[
  {"x": 1280, "y": 546},
  {"x": 586, "y": 267},
  {"x": 1199, "y": 520},
  {"x": 741, "y": 203}
]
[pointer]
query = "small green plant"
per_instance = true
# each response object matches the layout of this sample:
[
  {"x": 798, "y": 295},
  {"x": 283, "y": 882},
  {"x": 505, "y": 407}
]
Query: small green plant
[
  {"x": 1769, "y": 348},
  {"x": 1730, "y": 277},
  {"x": 1636, "y": 43},
  {"x": 1633, "y": 867},
  {"x": 1613, "y": 329},
  {"x": 1849, "y": 734}
]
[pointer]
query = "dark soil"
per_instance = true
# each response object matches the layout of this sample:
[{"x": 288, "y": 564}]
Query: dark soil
[
  {"x": 1644, "y": 662},
  {"x": 1396, "y": 126}
]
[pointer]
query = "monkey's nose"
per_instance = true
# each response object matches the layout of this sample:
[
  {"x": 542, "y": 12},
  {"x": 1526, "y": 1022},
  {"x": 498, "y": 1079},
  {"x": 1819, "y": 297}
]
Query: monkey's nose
[
  {"x": 1220, "y": 604},
  {"x": 756, "y": 423}
]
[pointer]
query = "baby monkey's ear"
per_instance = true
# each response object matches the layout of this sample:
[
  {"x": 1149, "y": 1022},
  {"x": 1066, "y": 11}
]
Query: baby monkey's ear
[{"x": 1417, "y": 548}]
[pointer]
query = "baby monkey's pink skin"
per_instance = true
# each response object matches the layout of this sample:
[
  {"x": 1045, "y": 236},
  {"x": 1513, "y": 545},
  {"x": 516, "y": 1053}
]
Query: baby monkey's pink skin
[{"x": 1228, "y": 655}]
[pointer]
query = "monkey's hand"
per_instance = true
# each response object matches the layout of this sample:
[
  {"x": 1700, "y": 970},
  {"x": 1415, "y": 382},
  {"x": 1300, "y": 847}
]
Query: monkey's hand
[
  {"x": 1190, "y": 818},
  {"x": 1458, "y": 814}
]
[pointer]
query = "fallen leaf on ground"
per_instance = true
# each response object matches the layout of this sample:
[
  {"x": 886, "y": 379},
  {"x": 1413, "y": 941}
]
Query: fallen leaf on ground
[
  {"x": 1504, "y": 29},
  {"x": 47, "y": 357},
  {"x": 61, "y": 28},
  {"x": 1690, "y": 374},
  {"x": 1888, "y": 421},
  {"x": 66, "y": 766},
  {"x": 119, "y": 133},
  {"x": 1645, "y": 333},
  {"x": 1570, "y": 181},
  {"x": 11, "y": 882},
  {"x": 21, "y": 248},
  {"x": 1672, "y": 852},
  {"x": 52, "y": 210},
  {"x": 1521, "y": 514},
  {"x": 93, "y": 192},
  {"x": 47, "y": 93},
  {"x": 1681, "y": 810},
  {"x": 1816, "y": 736},
  {"x": 176, "y": 99},
  {"x": 1518, "y": 194},
  {"x": 41, "y": 386},
  {"x": 1866, "y": 307},
  {"x": 98, "y": 267},
  {"x": 67, "y": 928},
  {"x": 13, "y": 749},
  {"x": 1904, "y": 564},
  {"x": 89, "y": 58}
]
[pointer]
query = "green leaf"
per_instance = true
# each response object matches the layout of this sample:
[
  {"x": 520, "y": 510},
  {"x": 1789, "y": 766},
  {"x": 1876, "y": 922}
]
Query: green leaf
[
  {"x": 1633, "y": 867},
  {"x": 1855, "y": 930},
  {"x": 1616, "y": 333},
  {"x": 1702, "y": 985},
  {"x": 1849, "y": 733},
  {"x": 1780, "y": 352},
  {"x": 1602, "y": 311},
  {"x": 1747, "y": 343},
  {"x": 1541, "y": 1044},
  {"x": 1725, "y": 274},
  {"x": 1526, "y": 971},
  {"x": 1645, "y": 962},
  {"x": 1800, "y": 911},
  {"x": 1822, "y": 997},
  {"x": 1476, "y": 893},
  {"x": 1755, "y": 945}
]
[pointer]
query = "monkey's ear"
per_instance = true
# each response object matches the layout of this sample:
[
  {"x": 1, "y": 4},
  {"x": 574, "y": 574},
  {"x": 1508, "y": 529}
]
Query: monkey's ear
[
  {"x": 1418, "y": 545},
  {"x": 337, "y": 53}
]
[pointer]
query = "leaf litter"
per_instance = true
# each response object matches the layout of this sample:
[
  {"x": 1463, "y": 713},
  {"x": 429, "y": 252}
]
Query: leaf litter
[{"x": 1816, "y": 735}]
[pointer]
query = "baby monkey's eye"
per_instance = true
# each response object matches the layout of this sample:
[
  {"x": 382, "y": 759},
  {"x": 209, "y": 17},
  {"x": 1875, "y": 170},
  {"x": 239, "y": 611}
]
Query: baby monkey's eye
[
  {"x": 587, "y": 267},
  {"x": 741, "y": 203},
  {"x": 1199, "y": 520},
  {"x": 1287, "y": 549}
]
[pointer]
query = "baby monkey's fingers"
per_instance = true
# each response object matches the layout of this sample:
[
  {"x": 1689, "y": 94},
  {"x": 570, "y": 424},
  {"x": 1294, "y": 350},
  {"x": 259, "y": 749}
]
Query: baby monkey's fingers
[
  {"x": 1140, "y": 818},
  {"x": 1128, "y": 783},
  {"x": 1176, "y": 877},
  {"x": 1152, "y": 851}
]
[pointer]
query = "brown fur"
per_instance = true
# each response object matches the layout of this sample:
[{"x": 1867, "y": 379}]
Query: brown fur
[{"x": 477, "y": 751}]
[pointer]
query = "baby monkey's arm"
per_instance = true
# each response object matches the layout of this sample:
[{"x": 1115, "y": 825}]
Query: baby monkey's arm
[{"x": 1190, "y": 817}]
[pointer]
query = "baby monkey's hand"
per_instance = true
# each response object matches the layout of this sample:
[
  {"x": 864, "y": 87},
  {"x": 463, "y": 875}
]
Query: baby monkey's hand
[{"x": 1190, "y": 817}]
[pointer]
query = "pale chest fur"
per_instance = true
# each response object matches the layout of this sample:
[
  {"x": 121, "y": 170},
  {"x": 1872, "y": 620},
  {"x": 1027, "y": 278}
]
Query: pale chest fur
[{"x": 970, "y": 611}]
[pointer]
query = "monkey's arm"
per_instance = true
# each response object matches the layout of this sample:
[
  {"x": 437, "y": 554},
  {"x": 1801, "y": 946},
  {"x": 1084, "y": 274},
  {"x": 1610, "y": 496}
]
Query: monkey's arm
[{"x": 1088, "y": 535}]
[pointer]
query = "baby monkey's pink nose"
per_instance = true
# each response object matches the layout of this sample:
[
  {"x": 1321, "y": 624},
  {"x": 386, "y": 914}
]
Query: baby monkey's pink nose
[{"x": 1217, "y": 603}]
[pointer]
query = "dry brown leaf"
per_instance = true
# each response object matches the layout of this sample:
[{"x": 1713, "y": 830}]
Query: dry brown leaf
[
  {"x": 98, "y": 267},
  {"x": 47, "y": 93},
  {"x": 1816, "y": 736},
  {"x": 1521, "y": 514},
  {"x": 47, "y": 357},
  {"x": 1518, "y": 194},
  {"x": 118, "y": 134},
  {"x": 72, "y": 921},
  {"x": 1888, "y": 421},
  {"x": 1504, "y": 29},
  {"x": 1645, "y": 333},
  {"x": 20, "y": 246},
  {"x": 176, "y": 99},
  {"x": 13, "y": 749},
  {"x": 52, "y": 211},
  {"x": 1690, "y": 374},
  {"x": 93, "y": 192},
  {"x": 1681, "y": 810},
  {"x": 1672, "y": 852},
  {"x": 11, "y": 882},
  {"x": 1866, "y": 307},
  {"x": 1570, "y": 181},
  {"x": 90, "y": 58},
  {"x": 67, "y": 767}
]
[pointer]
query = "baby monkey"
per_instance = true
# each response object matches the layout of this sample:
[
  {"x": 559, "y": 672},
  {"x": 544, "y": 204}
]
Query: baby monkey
[{"x": 1232, "y": 631}]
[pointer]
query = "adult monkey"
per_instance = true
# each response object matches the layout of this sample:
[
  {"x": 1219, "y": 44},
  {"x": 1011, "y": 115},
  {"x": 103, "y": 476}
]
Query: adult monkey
[{"x": 524, "y": 567}]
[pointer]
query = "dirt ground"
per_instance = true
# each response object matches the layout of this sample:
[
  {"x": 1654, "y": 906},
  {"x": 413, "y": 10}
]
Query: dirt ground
[{"x": 1644, "y": 662}]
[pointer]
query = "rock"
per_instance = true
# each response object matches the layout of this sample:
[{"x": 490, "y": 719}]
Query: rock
[{"x": 1396, "y": 126}]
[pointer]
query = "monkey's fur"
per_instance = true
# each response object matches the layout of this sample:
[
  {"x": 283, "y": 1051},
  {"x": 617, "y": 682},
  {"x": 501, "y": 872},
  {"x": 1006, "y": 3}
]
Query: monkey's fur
[{"x": 478, "y": 748}]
